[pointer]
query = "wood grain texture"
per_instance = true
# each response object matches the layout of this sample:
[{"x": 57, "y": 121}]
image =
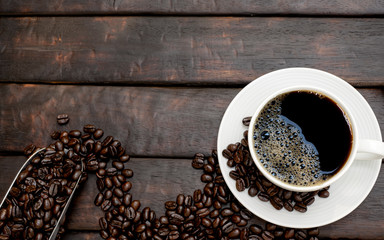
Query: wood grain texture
[
  {"x": 151, "y": 185},
  {"x": 149, "y": 121},
  {"x": 211, "y": 7},
  {"x": 187, "y": 51}
]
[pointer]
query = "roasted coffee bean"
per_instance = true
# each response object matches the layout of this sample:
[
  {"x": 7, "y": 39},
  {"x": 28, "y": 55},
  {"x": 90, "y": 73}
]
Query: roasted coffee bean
[
  {"x": 234, "y": 174},
  {"x": 136, "y": 204},
  {"x": 246, "y": 121},
  {"x": 89, "y": 128},
  {"x": 277, "y": 203},
  {"x": 173, "y": 235},
  {"x": 273, "y": 190},
  {"x": 256, "y": 229},
  {"x": 228, "y": 227},
  {"x": 176, "y": 219},
  {"x": 242, "y": 223},
  {"x": 241, "y": 170},
  {"x": 38, "y": 223},
  {"x": 300, "y": 235},
  {"x": 270, "y": 227},
  {"x": 287, "y": 194},
  {"x": 266, "y": 235},
  {"x": 97, "y": 147},
  {"x": 188, "y": 201},
  {"x": 92, "y": 165},
  {"x": 203, "y": 212},
  {"x": 106, "y": 205},
  {"x": 263, "y": 197},
  {"x": 180, "y": 199},
  {"x": 124, "y": 158},
  {"x": 116, "y": 182},
  {"x": 108, "y": 194},
  {"x": 127, "y": 199},
  {"x": 208, "y": 168},
  {"x": 118, "y": 165},
  {"x": 15, "y": 192},
  {"x": 235, "y": 207},
  {"x": 227, "y": 154},
  {"x": 206, "y": 178},
  {"x": 309, "y": 201},
  {"x": 226, "y": 212},
  {"x": 121, "y": 178},
  {"x": 236, "y": 219},
  {"x": 170, "y": 205},
  {"x": 74, "y": 133},
  {"x": 288, "y": 205},
  {"x": 103, "y": 223},
  {"x": 252, "y": 191},
  {"x": 108, "y": 183},
  {"x": 260, "y": 187},
  {"x": 112, "y": 151},
  {"x": 235, "y": 233},
  {"x": 98, "y": 133},
  {"x": 300, "y": 207},
  {"x": 208, "y": 202},
  {"x": 127, "y": 173},
  {"x": 246, "y": 214},
  {"x": 111, "y": 171},
  {"x": 76, "y": 175},
  {"x": 118, "y": 192},
  {"x": 323, "y": 194},
  {"x": 115, "y": 201},
  {"x": 232, "y": 147},
  {"x": 62, "y": 119},
  {"x": 99, "y": 199},
  {"x": 130, "y": 213},
  {"x": 198, "y": 161},
  {"x": 221, "y": 199},
  {"x": 238, "y": 156},
  {"x": 313, "y": 232},
  {"x": 206, "y": 222},
  {"x": 297, "y": 197},
  {"x": 55, "y": 135},
  {"x": 231, "y": 163},
  {"x": 197, "y": 195},
  {"x": 244, "y": 234},
  {"x": 240, "y": 184},
  {"x": 100, "y": 184},
  {"x": 107, "y": 141}
]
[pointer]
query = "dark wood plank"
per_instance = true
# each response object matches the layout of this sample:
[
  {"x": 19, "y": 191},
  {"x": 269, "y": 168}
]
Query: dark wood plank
[
  {"x": 212, "y": 7},
  {"x": 193, "y": 51},
  {"x": 148, "y": 121},
  {"x": 151, "y": 185}
]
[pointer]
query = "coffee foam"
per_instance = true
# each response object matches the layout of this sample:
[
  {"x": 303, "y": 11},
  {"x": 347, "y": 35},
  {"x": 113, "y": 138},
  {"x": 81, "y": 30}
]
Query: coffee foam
[{"x": 282, "y": 148}]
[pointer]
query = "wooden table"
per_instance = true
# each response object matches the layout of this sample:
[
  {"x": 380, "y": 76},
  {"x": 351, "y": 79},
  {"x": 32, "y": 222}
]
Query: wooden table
[{"x": 158, "y": 75}]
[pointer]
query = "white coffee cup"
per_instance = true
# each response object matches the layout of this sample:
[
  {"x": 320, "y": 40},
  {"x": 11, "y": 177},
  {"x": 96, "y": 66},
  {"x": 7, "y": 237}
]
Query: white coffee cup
[{"x": 361, "y": 149}]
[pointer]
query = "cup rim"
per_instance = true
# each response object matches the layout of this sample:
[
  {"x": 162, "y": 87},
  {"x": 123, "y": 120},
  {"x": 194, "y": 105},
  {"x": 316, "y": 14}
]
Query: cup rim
[{"x": 335, "y": 177}]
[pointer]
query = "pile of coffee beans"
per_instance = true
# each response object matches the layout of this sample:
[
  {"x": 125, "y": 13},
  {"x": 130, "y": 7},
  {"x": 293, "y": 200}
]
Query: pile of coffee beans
[
  {"x": 247, "y": 176},
  {"x": 220, "y": 216},
  {"x": 209, "y": 213},
  {"x": 36, "y": 201}
]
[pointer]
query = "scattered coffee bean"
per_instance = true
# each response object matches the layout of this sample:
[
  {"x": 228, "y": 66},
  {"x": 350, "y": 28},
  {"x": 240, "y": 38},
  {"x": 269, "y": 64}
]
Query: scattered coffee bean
[{"x": 62, "y": 119}]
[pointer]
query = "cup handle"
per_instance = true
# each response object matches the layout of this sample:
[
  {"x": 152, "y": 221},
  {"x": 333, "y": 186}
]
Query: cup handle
[{"x": 368, "y": 149}]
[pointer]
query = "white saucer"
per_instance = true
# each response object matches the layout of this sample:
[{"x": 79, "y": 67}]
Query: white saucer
[{"x": 348, "y": 192}]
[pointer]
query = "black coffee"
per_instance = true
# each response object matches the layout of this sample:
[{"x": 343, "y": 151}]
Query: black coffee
[{"x": 302, "y": 137}]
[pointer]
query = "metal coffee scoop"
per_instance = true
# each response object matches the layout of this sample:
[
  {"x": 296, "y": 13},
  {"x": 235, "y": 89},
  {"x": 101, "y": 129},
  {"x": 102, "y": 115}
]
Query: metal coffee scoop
[{"x": 62, "y": 216}]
